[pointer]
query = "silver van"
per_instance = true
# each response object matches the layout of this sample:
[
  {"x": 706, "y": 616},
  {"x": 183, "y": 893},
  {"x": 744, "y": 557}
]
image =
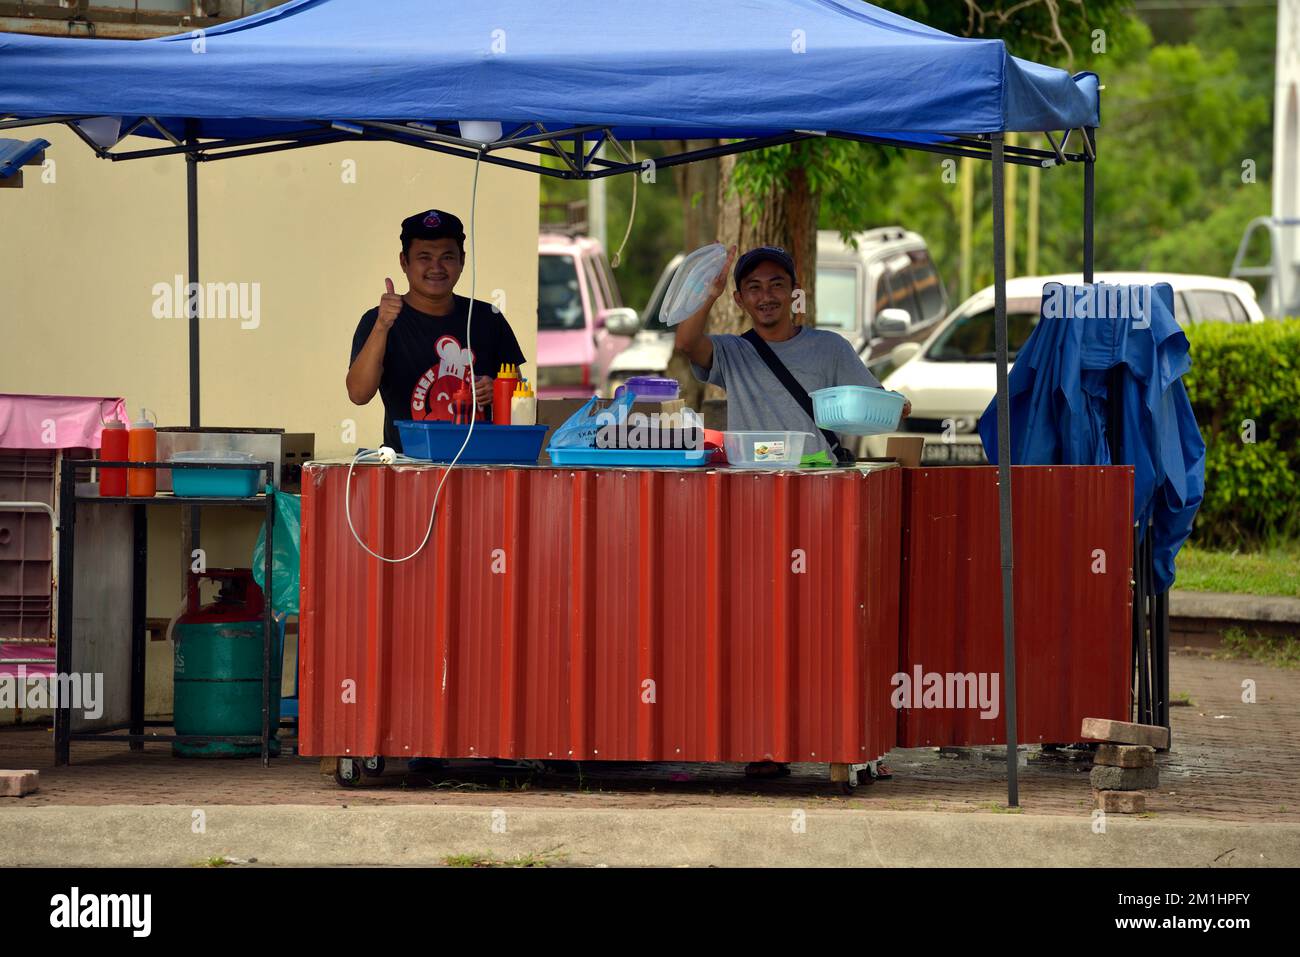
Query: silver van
[{"x": 883, "y": 292}]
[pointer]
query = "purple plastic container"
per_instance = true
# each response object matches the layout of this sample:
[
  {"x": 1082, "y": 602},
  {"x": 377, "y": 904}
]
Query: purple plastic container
[{"x": 648, "y": 388}]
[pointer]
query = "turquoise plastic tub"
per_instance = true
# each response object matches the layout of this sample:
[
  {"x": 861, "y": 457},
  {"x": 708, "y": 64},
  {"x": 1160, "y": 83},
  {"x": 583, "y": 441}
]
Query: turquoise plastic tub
[{"x": 214, "y": 483}]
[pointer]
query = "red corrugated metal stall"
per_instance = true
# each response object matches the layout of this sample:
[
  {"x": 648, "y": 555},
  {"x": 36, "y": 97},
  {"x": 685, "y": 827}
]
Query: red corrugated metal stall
[
  {"x": 1073, "y": 619},
  {"x": 601, "y": 614}
]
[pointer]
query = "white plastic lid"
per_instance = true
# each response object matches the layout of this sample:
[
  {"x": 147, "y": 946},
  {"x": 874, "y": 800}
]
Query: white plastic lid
[{"x": 214, "y": 456}]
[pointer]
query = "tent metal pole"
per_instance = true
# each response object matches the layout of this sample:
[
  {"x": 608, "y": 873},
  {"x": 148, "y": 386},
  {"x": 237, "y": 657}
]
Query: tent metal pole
[
  {"x": 1004, "y": 470},
  {"x": 1089, "y": 193},
  {"x": 190, "y": 531},
  {"x": 192, "y": 235},
  {"x": 1161, "y": 622}
]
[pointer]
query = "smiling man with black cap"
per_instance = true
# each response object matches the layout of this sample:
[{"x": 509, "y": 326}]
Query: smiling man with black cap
[
  {"x": 412, "y": 348},
  {"x": 770, "y": 371}
]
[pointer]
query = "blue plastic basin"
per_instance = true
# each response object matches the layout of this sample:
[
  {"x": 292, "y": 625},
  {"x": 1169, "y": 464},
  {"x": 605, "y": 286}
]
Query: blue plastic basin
[{"x": 489, "y": 445}]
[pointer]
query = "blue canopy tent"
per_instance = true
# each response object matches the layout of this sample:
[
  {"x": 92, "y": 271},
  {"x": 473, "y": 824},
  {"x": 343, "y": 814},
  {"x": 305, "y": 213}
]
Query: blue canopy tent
[{"x": 565, "y": 83}]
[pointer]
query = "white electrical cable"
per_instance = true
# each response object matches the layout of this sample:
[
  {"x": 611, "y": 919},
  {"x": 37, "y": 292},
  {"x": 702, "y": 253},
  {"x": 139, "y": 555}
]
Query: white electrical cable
[
  {"x": 631, "y": 216},
  {"x": 386, "y": 455}
]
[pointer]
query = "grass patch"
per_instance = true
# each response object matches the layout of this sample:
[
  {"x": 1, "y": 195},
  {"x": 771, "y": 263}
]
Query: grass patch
[
  {"x": 544, "y": 859},
  {"x": 1272, "y": 570},
  {"x": 1000, "y": 808},
  {"x": 1279, "y": 652}
]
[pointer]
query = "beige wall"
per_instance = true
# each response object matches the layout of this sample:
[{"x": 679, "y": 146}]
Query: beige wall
[
  {"x": 79, "y": 259},
  {"x": 80, "y": 256}
]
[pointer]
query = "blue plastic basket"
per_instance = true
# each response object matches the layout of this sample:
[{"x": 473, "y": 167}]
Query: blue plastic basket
[
  {"x": 857, "y": 409},
  {"x": 489, "y": 445}
]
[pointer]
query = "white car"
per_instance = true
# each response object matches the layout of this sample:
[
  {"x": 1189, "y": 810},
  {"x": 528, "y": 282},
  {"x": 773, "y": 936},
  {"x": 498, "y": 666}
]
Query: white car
[{"x": 952, "y": 376}]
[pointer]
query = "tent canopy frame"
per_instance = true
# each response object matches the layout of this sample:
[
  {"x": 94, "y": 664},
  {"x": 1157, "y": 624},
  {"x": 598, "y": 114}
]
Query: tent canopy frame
[{"x": 581, "y": 161}]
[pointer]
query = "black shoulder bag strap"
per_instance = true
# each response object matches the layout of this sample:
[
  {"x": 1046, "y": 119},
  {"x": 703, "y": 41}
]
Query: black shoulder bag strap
[{"x": 797, "y": 392}]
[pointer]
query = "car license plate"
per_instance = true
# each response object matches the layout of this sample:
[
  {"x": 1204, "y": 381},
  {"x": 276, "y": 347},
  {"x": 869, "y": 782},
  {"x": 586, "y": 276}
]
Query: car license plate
[{"x": 952, "y": 453}]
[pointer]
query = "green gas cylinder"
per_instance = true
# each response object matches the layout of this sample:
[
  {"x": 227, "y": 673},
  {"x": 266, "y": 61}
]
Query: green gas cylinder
[{"x": 218, "y": 667}]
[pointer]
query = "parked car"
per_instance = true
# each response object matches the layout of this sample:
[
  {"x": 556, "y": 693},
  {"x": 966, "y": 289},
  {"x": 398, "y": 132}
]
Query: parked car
[
  {"x": 952, "y": 376},
  {"x": 651, "y": 347},
  {"x": 884, "y": 291},
  {"x": 581, "y": 320}
]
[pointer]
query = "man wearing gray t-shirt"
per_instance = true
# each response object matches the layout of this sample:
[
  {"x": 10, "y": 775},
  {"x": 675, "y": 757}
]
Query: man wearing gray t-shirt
[{"x": 817, "y": 358}]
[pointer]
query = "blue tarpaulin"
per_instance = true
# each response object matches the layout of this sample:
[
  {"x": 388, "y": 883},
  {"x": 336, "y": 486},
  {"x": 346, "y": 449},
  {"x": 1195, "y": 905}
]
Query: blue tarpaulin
[
  {"x": 670, "y": 70},
  {"x": 15, "y": 154},
  {"x": 1059, "y": 390}
]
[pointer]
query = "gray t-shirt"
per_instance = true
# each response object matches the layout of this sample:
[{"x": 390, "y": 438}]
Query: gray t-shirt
[{"x": 756, "y": 399}]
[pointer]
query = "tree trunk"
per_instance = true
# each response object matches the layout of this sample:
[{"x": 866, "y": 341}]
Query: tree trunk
[
  {"x": 787, "y": 217},
  {"x": 697, "y": 189}
]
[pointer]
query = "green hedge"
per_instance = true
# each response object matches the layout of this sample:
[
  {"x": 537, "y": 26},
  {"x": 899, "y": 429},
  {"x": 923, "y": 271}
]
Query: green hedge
[{"x": 1241, "y": 374}]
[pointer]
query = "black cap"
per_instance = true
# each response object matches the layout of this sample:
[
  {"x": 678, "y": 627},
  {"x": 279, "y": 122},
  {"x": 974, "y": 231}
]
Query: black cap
[
  {"x": 432, "y": 224},
  {"x": 761, "y": 254}
]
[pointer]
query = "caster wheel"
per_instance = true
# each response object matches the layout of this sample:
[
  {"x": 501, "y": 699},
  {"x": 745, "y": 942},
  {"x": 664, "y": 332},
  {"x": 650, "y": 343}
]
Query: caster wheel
[
  {"x": 347, "y": 773},
  {"x": 857, "y": 778},
  {"x": 372, "y": 767}
]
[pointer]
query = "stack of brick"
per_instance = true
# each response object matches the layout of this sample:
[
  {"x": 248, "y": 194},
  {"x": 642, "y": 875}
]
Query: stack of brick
[
  {"x": 1124, "y": 766},
  {"x": 18, "y": 783}
]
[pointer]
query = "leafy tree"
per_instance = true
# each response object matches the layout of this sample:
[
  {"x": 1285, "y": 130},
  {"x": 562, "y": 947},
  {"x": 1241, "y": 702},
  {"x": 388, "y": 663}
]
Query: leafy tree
[
  {"x": 779, "y": 195},
  {"x": 1177, "y": 124}
]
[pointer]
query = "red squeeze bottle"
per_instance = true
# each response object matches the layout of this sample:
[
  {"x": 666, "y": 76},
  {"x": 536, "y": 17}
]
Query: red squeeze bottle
[
  {"x": 503, "y": 390},
  {"x": 462, "y": 405},
  {"x": 113, "y": 448}
]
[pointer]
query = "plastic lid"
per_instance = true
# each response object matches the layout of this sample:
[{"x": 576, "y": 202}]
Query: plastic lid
[
  {"x": 218, "y": 456},
  {"x": 653, "y": 387}
]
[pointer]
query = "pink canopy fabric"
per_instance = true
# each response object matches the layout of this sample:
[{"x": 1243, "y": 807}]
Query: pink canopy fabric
[{"x": 56, "y": 421}]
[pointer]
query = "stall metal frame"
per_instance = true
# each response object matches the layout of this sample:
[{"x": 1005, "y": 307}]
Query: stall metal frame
[{"x": 133, "y": 731}]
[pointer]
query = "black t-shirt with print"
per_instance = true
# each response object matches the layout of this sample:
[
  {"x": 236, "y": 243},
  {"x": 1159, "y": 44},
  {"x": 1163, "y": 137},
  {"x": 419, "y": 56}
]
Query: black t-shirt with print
[{"x": 425, "y": 361}]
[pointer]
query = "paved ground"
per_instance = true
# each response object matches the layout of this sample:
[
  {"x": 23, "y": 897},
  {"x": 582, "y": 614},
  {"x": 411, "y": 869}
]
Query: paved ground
[
  {"x": 1231, "y": 762},
  {"x": 161, "y": 835}
]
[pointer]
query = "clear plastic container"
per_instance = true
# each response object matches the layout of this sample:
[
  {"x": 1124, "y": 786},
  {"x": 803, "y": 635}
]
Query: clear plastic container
[{"x": 765, "y": 450}]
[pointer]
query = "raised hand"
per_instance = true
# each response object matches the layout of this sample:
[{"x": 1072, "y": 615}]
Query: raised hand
[{"x": 390, "y": 304}]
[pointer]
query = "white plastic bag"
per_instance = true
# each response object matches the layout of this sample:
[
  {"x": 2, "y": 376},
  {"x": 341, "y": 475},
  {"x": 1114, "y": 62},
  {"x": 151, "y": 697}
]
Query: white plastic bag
[{"x": 690, "y": 286}]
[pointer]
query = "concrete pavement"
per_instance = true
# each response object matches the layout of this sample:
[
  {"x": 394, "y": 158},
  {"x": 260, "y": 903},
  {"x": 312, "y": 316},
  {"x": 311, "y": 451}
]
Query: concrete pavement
[{"x": 312, "y": 835}]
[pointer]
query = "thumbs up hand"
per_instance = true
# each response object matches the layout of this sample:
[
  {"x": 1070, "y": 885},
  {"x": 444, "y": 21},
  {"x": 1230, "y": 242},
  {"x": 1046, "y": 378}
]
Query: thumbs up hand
[{"x": 390, "y": 304}]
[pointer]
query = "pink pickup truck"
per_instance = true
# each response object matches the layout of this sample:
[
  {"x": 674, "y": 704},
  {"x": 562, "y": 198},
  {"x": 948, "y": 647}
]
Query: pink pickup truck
[{"x": 581, "y": 320}]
